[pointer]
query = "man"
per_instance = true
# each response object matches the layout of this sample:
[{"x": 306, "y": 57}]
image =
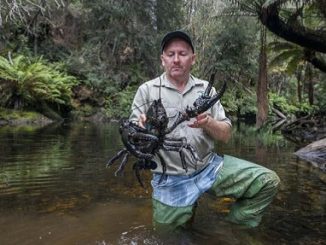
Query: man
[{"x": 175, "y": 196}]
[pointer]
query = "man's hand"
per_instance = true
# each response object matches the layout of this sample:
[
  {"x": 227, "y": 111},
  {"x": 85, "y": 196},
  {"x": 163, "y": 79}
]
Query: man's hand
[
  {"x": 218, "y": 130},
  {"x": 141, "y": 120},
  {"x": 201, "y": 120}
]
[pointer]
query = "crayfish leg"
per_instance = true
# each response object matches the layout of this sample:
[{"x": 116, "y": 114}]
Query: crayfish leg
[
  {"x": 117, "y": 156},
  {"x": 137, "y": 167},
  {"x": 122, "y": 165},
  {"x": 163, "y": 167},
  {"x": 183, "y": 160},
  {"x": 192, "y": 151}
]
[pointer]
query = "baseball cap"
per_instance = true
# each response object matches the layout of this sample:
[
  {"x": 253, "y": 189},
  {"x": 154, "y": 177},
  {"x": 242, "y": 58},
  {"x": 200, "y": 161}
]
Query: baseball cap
[{"x": 176, "y": 34}]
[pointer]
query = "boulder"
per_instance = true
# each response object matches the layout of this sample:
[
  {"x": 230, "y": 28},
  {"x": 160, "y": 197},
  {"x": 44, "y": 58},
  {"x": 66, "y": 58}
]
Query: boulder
[{"x": 315, "y": 153}]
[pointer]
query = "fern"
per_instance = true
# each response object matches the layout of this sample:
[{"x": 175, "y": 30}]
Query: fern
[{"x": 33, "y": 81}]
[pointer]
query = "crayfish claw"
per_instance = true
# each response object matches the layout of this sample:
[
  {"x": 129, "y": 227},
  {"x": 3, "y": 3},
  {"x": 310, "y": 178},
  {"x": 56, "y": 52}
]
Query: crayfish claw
[{"x": 209, "y": 86}]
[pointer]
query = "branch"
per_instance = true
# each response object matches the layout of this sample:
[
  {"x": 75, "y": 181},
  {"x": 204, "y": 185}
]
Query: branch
[
  {"x": 311, "y": 57},
  {"x": 305, "y": 37}
]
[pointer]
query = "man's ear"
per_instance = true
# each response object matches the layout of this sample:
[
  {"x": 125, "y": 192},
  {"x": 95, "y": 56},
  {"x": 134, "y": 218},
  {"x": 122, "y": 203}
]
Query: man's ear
[
  {"x": 162, "y": 61},
  {"x": 193, "y": 59}
]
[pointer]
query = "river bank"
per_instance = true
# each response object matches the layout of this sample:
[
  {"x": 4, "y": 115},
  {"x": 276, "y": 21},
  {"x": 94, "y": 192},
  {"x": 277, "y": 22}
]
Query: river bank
[{"x": 10, "y": 117}]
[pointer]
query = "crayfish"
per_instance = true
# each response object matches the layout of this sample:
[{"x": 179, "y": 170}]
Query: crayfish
[{"x": 145, "y": 142}]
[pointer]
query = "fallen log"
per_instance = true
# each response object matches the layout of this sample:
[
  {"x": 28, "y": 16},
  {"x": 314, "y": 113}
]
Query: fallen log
[
  {"x": 306, "y": 129},
  {"x": 279, "y": 113}
]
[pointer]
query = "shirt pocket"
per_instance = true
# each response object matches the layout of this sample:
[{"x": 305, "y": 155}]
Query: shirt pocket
[{"x": 172, "y": 114}]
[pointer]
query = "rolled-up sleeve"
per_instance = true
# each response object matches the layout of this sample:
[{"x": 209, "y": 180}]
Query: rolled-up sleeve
[{"x": 218, "y": 113}]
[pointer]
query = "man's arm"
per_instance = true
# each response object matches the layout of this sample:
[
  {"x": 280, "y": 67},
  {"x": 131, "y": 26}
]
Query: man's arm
[{"x": 219, "y": 130}]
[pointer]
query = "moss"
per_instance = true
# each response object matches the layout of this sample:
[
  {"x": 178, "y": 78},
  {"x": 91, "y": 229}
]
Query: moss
[
  {"x": 18, "y": 117},
  {"x": 7, "y": 114}
]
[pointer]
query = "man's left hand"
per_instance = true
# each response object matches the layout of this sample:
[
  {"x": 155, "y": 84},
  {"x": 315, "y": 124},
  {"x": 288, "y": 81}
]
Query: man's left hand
[{"x": 201, "y": 120}]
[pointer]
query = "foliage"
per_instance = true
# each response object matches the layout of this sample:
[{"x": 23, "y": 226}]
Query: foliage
[
  {"x": 113, "y": 46},
  {"x": 26, "y": 83},
  {"x": 122, "y": 39},
  {"x": 281, "y": 103},
  {"x": 320, "y": 89},
  {"x": 287, "y": 54},
  {"x": 20, "y": 11},
  {"x": 297, "y": 21},
  {"x": 118, "y": 106},
  {"x": 239, "y": 102},
  {"x": 227, "y": 45}
]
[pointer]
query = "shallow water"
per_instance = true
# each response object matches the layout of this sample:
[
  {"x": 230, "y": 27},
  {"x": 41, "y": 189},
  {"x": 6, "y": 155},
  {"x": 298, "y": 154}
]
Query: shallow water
[{"x": 55, "y": 189}]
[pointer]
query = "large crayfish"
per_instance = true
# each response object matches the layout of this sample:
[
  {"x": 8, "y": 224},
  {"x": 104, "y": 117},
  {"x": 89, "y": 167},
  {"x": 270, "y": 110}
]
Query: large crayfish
[{"x": 144, "y": 143}]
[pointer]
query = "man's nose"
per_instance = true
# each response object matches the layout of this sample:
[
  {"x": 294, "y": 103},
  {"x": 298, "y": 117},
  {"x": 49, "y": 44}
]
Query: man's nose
[{"x": 176, "y": 58}]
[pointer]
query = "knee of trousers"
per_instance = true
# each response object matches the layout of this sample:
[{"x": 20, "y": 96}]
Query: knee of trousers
[
  {"x": 270, "y": 180},
  {"x": 167, "y": 215}
]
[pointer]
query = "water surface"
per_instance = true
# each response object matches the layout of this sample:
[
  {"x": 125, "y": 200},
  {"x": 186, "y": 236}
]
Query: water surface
[{"x": 55, "y": 189}]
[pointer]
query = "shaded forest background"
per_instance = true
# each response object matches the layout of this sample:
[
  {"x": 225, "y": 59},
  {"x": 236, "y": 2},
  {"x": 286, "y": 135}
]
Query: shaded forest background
[{"x": 85, "y": 59}]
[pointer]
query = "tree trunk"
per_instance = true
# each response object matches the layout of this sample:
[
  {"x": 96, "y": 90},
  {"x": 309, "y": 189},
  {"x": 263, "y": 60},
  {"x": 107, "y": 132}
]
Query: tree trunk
[
  {"x": 309, "y": 79},
  {"x": 299, "y": 84},
  {"x": 262, "y": 90}
]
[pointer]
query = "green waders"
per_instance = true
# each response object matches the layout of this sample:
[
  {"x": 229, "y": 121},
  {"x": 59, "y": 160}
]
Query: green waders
[{"x": 253, "y": 186}]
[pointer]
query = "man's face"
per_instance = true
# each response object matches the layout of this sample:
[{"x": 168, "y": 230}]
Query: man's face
[{"x": 177, "y": 59}]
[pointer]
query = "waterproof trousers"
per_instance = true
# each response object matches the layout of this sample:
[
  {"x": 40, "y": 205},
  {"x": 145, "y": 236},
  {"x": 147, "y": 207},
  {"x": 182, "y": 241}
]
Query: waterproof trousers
[{"x": 253, "y": 186}]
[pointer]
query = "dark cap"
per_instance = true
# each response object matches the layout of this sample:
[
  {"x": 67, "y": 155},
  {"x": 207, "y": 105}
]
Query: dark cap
[{"x": 176, "y": 34}]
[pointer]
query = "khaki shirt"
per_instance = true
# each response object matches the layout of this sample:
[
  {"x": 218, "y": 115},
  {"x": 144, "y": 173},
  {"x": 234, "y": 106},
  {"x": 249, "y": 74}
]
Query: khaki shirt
[{"x": 174, "y": 102}]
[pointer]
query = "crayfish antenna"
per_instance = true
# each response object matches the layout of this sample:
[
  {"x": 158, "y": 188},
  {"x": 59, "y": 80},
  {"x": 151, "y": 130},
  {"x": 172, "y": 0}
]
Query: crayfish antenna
[{"x": 116, "y": 157}]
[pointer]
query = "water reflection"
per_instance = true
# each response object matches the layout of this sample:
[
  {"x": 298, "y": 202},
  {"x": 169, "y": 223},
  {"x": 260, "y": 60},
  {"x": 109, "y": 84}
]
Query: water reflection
[{"x": 55, "y": 189}]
